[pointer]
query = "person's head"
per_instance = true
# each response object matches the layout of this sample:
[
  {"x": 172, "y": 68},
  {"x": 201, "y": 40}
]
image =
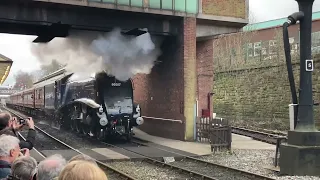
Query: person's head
[
  {"x": 5, "y": 120},
  {"x": 82, "y": 170},
  {"x": 83, "y": 158},
  {"x": 24, "y": 168},
  {"x": 9, "y": 148},
  {"x": 51, "y": 167}
]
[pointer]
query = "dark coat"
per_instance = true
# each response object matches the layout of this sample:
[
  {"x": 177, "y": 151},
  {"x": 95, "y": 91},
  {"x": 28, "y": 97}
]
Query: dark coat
[
  {"x": 5, "y": 169},
  {"x": 28, "y": 143}
]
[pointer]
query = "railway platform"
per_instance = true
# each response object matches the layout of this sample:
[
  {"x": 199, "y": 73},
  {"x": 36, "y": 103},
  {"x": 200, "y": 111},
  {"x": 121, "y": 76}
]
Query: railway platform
[
  {"x": 238, "y": 142},
  {"x": 164, "y": 148}
]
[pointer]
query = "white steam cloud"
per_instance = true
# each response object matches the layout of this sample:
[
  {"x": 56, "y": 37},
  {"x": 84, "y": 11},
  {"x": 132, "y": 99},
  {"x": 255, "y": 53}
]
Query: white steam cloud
[{"x": 85, "y": 53}]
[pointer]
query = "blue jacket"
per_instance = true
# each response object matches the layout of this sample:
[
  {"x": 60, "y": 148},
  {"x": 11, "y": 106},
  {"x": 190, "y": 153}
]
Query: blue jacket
[{"x": 5, "y": 169}]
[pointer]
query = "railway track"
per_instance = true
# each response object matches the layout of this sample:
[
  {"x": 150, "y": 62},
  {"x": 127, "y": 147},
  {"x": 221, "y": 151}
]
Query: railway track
[
  {"x": 104, "y": 166},
  {"x": 209, "y": 168},
  {"x": 258, "y": 135},
  {"x": 149, "y": 160}
]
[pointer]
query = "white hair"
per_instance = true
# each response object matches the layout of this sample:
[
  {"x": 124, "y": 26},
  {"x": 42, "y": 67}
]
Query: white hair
[
  {"x": 51, "y": 167},
  {"x": 83, "y": 157},
  {"x": 7, "y": 143},
  {"x": 24, "y": 167}
]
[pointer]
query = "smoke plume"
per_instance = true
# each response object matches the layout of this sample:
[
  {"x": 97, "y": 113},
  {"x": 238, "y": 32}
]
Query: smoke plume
[{"x": 85, "y": 53}]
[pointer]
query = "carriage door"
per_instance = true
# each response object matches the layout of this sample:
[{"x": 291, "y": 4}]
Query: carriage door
[{"x": 57, "y": 88}]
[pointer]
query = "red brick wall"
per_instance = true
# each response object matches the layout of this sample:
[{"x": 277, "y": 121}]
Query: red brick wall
[
  {"x": 167, "y": 92},
  {"x": 269, "y": 34},
  {"x": 160, "y": 93},
  {"x": 231, "y": 8},
  {"x": 205, "y": 74}
]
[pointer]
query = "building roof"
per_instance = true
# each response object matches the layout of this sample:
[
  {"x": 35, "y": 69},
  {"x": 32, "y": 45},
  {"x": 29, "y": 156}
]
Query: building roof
[
  {"x": 273, "y": 23},
  {"x": 5, "y": 66}
]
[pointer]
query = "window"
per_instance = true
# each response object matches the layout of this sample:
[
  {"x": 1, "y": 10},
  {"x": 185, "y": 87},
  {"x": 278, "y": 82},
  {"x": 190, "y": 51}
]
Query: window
[
  {"x": 233, "y": 52},
  {"x": 272, "y": 47},
  {"x": 250, "y": 50},
  {"x": 291, "y": 40},
  {"x": 264, "y": 51},
  {"x": 294, "y": 48},
  {"x": 257, "y": 48},
  {"x": 315, "y": 38}
]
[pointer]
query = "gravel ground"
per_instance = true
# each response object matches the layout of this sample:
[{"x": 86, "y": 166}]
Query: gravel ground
[
  {"x": 71, "y": 138},
  {"x": 111, "y": 175},
  {"x": 251, "y": 160},
  {"x": 211, "y": 171},
  {"x": 145, "y": 171},
  {"x": 44, "y": 142}
]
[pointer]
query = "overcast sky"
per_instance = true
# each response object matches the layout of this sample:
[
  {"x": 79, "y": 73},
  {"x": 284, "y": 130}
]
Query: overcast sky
[
  {"x": 17, "y": 47},
  {"x": 264, "y": 10}
]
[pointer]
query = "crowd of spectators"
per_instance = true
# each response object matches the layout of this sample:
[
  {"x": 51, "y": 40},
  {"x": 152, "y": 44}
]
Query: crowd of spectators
[{"x": 17, "y": 164}]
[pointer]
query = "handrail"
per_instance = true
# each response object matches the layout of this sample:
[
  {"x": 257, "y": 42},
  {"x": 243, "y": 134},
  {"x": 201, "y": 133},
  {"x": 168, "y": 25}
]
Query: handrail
[{"x": 163, "y": 119}]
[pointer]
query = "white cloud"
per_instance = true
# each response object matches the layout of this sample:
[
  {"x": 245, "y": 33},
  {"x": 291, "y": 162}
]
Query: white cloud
[{"x": 17, "y": 48}]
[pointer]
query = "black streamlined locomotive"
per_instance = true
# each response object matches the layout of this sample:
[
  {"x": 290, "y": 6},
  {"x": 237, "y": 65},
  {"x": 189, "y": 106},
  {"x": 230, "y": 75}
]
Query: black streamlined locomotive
[{"x": 100, "y": 106}]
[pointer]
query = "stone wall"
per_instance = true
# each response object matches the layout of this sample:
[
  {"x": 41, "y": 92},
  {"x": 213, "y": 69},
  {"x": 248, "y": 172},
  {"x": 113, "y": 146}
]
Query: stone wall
[{"x": 255, "y": 92}]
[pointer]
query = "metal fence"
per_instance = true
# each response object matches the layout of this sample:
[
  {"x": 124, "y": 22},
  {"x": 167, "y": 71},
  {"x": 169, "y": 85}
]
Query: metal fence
[{"x": 216, "y": 132}]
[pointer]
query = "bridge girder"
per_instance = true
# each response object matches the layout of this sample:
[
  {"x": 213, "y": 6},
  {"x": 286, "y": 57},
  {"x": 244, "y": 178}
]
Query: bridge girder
[{"x": 49, "y": 20}]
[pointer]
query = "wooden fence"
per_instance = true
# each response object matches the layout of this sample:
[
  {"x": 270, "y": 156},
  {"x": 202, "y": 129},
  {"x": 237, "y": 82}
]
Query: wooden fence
[{"x": 216, "y": 131}]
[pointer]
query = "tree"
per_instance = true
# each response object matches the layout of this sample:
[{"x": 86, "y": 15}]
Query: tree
[
  {"x": 46, "y": 69},
  {"x": 50, "y": 68},
  {"x": 23, "y": 80}
]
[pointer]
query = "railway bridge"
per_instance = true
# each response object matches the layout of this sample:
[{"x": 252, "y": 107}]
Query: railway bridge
[{"x": 179, "y": 88}]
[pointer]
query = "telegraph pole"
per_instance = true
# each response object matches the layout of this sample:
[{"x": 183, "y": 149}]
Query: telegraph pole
[{"x": 301, "y": 154}]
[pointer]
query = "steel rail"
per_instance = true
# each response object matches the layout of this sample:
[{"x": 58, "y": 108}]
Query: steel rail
[
  {"x": 124, "y": 175},
  {"x": 247, "y": 173},
  {"x": 154, "y": 161},
  {"x": 257, "y": 135},
  {"x": 41, "y": 154}
]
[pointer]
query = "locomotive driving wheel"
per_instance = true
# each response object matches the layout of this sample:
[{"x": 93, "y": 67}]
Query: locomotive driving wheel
[
  {"x": 85, "y": 128},
  {"x": 101, "y": 135},
  {"x": 78, "y": 125},
  {"x": 75, "y": 125}
]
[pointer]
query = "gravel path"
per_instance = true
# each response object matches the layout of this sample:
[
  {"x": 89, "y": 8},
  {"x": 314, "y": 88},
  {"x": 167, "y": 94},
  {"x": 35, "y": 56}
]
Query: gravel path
[
  {"x": 145, "y": 171},
  {"x": 251, "y": 160}
]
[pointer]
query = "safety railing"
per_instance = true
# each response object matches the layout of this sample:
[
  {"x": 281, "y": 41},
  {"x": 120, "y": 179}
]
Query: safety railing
[{"x": 163, "y": 119}]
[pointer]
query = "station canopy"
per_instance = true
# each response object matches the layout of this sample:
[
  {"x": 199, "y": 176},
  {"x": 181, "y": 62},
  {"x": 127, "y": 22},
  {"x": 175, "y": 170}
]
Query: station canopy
[{"x": 5, "y": 66}]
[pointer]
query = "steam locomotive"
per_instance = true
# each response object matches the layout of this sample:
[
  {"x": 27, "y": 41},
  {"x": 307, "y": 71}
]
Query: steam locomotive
[{"x": 100, "y": 106}]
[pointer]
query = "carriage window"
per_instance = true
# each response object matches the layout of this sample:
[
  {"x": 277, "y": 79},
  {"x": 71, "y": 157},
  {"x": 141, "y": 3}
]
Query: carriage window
[{"x": 39, "y": 94}]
